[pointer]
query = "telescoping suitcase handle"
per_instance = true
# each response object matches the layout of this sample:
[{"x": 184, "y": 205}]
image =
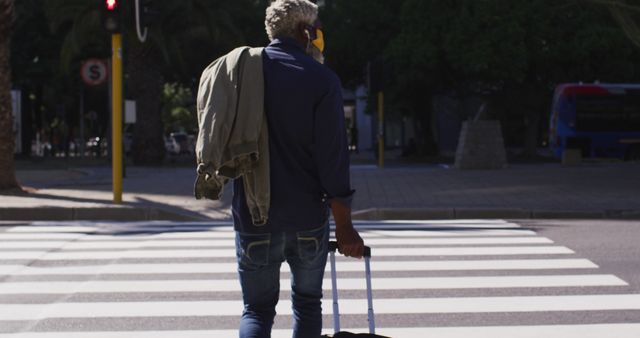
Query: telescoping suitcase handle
[{"x": 333, "y": 246}]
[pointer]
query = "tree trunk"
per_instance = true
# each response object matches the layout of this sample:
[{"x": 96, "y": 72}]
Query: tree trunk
[
  {"x": 144, "y": 84},
  {"x": 426, "y": 146},
  {"x": 534, "y": 106},
  {"x": 532, "y": 122},
  {"x": 7, "y": 137}
]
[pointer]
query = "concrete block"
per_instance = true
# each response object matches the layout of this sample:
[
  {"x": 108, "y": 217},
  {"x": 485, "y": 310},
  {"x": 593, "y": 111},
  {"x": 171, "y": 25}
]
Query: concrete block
[
  {"x": 571, "y": 157},
  {"x": 481, "y": 146}
]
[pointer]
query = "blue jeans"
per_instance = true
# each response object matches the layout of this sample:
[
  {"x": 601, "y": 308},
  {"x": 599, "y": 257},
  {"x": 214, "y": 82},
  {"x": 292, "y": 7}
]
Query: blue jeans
[{"x": 259, "y": 259}]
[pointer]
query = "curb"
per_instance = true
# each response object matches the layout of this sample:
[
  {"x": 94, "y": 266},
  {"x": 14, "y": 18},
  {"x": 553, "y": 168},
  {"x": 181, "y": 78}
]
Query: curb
[
  {"x": 92, "y": 214},
  {"x": 126, "y": 213},
  {"x": 488, "y": 213}
]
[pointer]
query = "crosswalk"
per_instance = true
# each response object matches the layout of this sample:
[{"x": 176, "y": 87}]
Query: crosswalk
[{"x": 459, "y": 278}]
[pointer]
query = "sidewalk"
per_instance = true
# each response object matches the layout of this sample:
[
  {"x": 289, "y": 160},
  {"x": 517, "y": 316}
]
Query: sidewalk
[{"x": 400, "y": 191}]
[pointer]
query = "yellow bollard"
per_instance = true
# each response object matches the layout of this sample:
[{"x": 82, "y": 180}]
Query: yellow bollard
[{"x": 116, "y": 104}]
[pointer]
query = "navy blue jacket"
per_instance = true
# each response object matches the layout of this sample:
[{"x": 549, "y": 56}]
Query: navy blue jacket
[{"x": 308, "y": 149}]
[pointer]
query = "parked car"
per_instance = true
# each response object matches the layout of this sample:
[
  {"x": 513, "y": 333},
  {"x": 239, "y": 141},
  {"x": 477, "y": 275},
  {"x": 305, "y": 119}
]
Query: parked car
[
  {"x": 184, "y": 143},
  {"x": 171, "y": 146},
  {"x": 127, "y": 141},
  {"x": 96, "y": 146}
]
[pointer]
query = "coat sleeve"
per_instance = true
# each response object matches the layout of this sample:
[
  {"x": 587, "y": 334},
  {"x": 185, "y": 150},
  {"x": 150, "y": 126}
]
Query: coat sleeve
[
  {"x": 210, "y": 131},
  {"x": 331, "y": 151},
  {"x": 212, "y": 105}
]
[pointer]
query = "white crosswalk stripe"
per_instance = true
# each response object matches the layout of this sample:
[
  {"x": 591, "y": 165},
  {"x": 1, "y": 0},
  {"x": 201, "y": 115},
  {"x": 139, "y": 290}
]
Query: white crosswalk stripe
[
  {"x": 413, "y": 283},
  {"x": 553, "y": 331},
  {"x": 186, "y": 268},
  {"x": 216, "y": 243},
  {"x": 347, "y": 306},
  {"x": 91, "y": 279}
]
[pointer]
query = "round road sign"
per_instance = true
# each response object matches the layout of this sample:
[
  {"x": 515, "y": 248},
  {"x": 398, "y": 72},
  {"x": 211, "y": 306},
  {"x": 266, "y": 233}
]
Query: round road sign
[{"x": 94, "y": 72}]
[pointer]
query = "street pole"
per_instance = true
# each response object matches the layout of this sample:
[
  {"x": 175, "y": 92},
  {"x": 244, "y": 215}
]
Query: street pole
[
  {"x": 116, "y": 106},
  {"x": 142, "y": 36},
  {"x": 380, "y": 129}
]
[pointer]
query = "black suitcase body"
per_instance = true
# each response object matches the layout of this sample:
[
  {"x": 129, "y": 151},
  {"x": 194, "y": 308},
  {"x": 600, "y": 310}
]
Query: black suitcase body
[{"x": 333, "y": 246}]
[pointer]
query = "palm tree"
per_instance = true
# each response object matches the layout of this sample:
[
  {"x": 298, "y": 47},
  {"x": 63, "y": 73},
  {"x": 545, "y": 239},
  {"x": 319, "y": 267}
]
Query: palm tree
[
  {"x": 627, "y": 16},
  {"x": 184, "y": 31},
  {"x": 7, "y": 141}
]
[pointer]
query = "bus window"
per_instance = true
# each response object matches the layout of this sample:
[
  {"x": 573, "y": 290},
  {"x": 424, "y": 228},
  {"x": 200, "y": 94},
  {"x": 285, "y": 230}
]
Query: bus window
[{"x": 598, "y": 112}]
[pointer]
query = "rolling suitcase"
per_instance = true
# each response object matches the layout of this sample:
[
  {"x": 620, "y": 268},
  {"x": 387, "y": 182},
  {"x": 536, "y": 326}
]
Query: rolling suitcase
[{"x": 333, "y": 246}]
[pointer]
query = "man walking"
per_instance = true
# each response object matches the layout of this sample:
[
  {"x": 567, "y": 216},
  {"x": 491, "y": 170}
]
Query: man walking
[{"x": 309, "y": 175}]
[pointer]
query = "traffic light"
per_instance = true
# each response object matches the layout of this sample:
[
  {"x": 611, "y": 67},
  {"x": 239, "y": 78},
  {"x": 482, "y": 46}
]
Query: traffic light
[
  {"x": 111, "y": 15},
  {"x": 111, "y": 5}
]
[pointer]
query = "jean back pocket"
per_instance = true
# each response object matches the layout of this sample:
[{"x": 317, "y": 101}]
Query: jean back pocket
[
  {"x": 252, "y": 250},
  {"x": 312, "y": 244}
]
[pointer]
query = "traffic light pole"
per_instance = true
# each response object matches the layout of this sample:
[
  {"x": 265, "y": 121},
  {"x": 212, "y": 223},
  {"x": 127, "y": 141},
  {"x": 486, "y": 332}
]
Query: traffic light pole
[{"x": 116, "y": 106}]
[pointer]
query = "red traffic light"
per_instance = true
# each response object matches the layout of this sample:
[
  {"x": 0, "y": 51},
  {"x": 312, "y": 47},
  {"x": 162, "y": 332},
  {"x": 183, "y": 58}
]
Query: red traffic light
[
  {"x": 111, "y": 5},
  {"x": 111, "y": 15}
]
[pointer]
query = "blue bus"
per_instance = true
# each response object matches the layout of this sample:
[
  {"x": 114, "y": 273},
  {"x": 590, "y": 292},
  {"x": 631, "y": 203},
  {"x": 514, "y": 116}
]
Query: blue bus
[{"x": 601, "y": 120}]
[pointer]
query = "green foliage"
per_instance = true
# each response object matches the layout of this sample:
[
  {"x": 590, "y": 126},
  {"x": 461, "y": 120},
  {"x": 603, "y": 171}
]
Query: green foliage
[
  {"x": 78, "y": 24},
  {"x": 511, "y": 53},
  {"x": 627, "y": 15},
  {"x": 35, "y": 49},
  {"x": 508, "y": 42},
  {"x": 476, "y": 46},
  {"x": 190, "y": 34},
  {"x": 178, "y": 109},
  {"x": 356, "y": 32},
  {"x": 186, "y": 36}
]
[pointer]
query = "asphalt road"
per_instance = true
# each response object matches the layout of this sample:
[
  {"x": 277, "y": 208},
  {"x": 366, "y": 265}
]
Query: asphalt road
[
  {"x": 612, "y": 244},
  {"x": 489, "y": 278}
]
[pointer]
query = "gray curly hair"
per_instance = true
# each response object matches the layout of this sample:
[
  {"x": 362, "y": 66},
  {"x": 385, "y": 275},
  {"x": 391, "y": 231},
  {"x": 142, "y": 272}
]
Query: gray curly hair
[{"x": 283, "y": 16}]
